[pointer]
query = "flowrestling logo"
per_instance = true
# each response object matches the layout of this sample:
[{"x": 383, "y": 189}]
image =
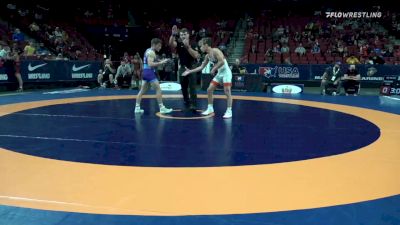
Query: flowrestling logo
[{"x": 353, "y": 14}]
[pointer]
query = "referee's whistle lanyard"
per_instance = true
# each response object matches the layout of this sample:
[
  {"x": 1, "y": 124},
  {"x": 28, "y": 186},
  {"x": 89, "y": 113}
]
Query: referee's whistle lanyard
[{"x": 335, "y": 72}]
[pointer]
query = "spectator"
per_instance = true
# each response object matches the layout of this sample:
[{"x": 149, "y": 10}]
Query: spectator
[
  {"x": 77, "y": 56},
  {"x": 300, "y": 50},
  {"x": 3, "y": 52},
  {"x": 18, "y": 36},
  {"x": 340, "y": 49},
  {"x": 12, "y": 66},
  {"x": 124, "y": 74},
  {"x": 106, "y": 77},
  {"x": 254, "y": 49},
  {"x": 16, "y": 48},
  {"x": 377, "y": 59},
  {"x": 160, "y": 69},
  {"x": 297, "y": 37},
  {"x": 269, "y": 56},
  {"x": 287, "y": 61},
  {"x": 38, "y": 16},
  {"x": 316, "y": 49},
  {"x": 388, "y": 52},
  {"x": 237, "y": 68},
  {"x": 285, "y": 49},
  {"x": 277, "y": 49},
  {"x": 59, "y": 57},
  {"x": 365, "y": 50},
  {"x": 280, "y": 31},
  {"x": 34, "y": 27},
  {"x": 352, "y": 60},
  {"x": 397, "y": 53},
  {"x": 351, "y": 80},
  {"x": 284, "y": 40},
  {"x": 88, "y": 14},
  {"x": 73, "y": 47},
  {"x": 41, "y": 50},
  {"x": 58, "y": 35},
  {"x": 332, "y": 76},
  {"x": 169, "y": 69},
  {"x": 137, "y": 65},
  {"x": 29, "y": 49}
]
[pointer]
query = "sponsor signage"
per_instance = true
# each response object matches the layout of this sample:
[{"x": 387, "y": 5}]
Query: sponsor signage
[
  {"x": 369, "y": 73},
  {"x": 389, "y": 90},
  {"x": 36, "y": 70},
  {"x": 59, "y": 70},
  {"x": 3, "y": 76},
  {"x": 283, "y": 72},
  {"x": 239, "y": 81},
  {"x": 170, "y": 86},
  {"x": 390, "y": 85},
  {"x": 82, "y": 71},
  {"x": 287, "y": 88}
]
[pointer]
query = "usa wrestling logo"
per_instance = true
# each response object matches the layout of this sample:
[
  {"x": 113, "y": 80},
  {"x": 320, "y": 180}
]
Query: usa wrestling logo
[{"x": 268, "y": 72}]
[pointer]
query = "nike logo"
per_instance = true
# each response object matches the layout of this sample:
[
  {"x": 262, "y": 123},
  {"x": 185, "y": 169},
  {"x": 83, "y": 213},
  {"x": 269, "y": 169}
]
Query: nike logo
[
  {"x": 32, "y": 68},
  {"x": 74, "y": 68}
]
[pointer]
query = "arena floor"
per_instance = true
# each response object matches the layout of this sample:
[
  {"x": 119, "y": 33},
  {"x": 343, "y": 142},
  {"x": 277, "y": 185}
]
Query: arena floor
[{"x": 81, "y": 156}]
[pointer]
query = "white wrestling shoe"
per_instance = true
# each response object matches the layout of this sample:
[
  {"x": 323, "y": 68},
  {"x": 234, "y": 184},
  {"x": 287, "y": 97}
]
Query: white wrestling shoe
[
  {"x": 138, "y": 110},
  {"x": 228, "y": 114},
  {"x": 208, "y": 111},
  {"x": 164, "y": 110}
]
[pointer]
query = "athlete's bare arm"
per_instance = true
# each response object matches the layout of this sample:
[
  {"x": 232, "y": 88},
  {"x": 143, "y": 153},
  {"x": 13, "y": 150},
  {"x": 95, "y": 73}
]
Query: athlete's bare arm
[
  {"x": 197, "y": 69},
  {"x": 172, "y": 42},
  {"x": 220, "y": 57},
  {"x": 151, "y": 55}
]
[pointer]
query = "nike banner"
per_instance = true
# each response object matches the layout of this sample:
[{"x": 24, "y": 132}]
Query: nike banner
[
  {"x": 58, "y": 70},
  {"x": 3, "y": 75}
]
